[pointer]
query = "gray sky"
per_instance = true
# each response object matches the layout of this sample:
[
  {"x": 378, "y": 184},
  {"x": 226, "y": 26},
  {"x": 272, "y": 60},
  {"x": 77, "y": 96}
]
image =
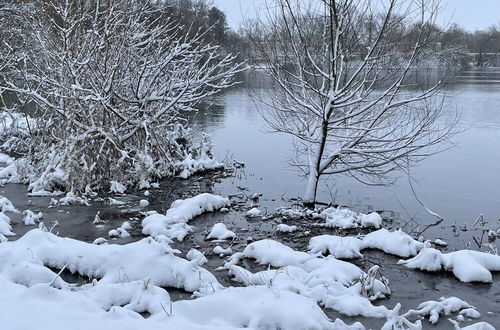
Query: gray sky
[{"x": 471, "y": 14}]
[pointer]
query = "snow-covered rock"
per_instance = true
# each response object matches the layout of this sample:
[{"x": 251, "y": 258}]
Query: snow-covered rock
[
  {"x": 174, "y": 223},
  {"x": 143, "y": 203},
  {"x": 220, "y": 231}
]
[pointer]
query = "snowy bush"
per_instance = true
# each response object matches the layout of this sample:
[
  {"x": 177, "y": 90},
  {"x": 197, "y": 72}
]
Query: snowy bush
[{"x": 110, "y": 87}]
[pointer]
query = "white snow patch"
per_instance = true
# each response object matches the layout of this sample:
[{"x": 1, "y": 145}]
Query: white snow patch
[
  {"x": 220, "y": 231},
  {"x": 283, "y": 228},
  {"x": 174, "y": 223},
  {"x": 397, "y": 242},
  {"x": 253, "y": 212},
  {"x": 346, "y": 219},
  {"x": 143, "y": 203}
]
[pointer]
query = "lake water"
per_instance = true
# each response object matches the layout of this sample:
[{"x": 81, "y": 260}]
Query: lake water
[{"x": 459, "y": 184}]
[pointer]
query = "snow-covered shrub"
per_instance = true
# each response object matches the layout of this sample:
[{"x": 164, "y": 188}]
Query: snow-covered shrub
[{"x": 110, "y": 88}]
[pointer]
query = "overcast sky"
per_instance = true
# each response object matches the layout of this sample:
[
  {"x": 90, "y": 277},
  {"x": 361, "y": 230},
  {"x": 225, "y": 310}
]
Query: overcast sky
[{"x": 471, "y": 14}]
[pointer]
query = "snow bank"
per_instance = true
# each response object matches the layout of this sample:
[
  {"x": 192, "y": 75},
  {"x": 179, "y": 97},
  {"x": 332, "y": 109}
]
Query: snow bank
[
  {"x": 117, "y": 306},
  {"x": 466, "y": 265},
  {"x": 345, "y": 219},
  {"x": 219, "y": 231},
  {"x": 333, "y": 283},
  {"x": 174, "y": 223},
  {"x": 147, "y": 258}
]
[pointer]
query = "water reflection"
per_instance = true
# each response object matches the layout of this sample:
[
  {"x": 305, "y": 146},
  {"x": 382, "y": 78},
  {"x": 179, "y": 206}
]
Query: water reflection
[{"x": 459, "y": 183}]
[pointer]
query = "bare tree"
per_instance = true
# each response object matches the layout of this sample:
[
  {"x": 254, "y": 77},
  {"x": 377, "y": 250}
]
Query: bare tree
[
  {"x": 343, "y": 71},
  {"x": 109, "y": 82}
]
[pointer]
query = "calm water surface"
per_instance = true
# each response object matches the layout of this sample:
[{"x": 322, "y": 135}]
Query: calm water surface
[{"x": 459, "y": 184}]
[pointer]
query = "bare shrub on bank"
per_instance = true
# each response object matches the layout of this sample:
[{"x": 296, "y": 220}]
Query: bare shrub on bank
[{"x": 107, "y": 83}]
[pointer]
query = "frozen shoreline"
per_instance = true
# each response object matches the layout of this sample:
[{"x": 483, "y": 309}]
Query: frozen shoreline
[{"x": 244, "y": 227}]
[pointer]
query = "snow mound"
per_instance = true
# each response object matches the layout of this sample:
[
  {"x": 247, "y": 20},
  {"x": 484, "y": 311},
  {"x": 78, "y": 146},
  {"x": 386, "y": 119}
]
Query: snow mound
[
  {"x": 466, "y": 265},
  {"x": 219, "y": 231},
  {"x": 111, "y": 263},
  {"x": 331, "y": 282},
  {"x": 174, "y": 223},
  {"x": 346, "y": 219},
  {"x": 396, "y": 242},
  {"x": 339, "y": 247}
]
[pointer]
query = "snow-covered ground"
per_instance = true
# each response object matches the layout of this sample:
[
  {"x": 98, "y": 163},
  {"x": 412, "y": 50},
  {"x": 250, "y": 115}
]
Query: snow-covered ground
[{"x": 273, "y": 285}]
